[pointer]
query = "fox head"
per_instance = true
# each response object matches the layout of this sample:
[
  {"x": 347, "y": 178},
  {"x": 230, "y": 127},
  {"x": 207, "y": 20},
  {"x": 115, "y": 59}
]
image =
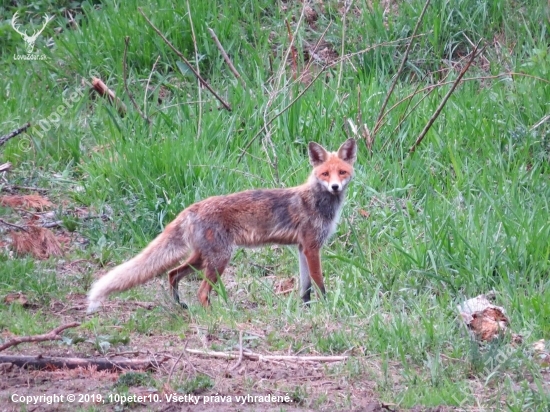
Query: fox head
[{"x": 333, "y": 170}]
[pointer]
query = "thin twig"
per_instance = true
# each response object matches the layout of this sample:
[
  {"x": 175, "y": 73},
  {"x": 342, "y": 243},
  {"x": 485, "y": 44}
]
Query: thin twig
[
  {"x": 14, "y": 133},
  {"x": 399, "y": 71},
  {"x": 433, "y": 87},
  {"x": 14, "y": 226},
  {"x": 312, "y": 52},
  {"x": 52, "y": 335},
  {"x": 294, "y": 62},
  {"x": 124, "y": 77},
  {"x": 226, "y": 57},
  {"x": 59, "y": 223},
  {"x": 199, "y": 120},
  {"x": 147, "y": 85},
  {"x": 541, "y": 121},
  {"x": 181, "y": 56},
  {"x": 259, "y": 357},
  {"x": 174, "y": 366},
  {"x": 236, "y": 365},
  {"x": 444, "y": 101}
]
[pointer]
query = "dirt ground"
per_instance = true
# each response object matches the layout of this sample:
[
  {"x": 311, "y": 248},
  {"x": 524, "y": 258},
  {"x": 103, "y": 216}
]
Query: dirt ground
[{"x": 299, "y": 386}]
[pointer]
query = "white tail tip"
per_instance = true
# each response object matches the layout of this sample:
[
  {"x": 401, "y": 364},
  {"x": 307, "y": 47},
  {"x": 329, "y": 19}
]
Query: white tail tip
[{"x": 93, "y": 306}]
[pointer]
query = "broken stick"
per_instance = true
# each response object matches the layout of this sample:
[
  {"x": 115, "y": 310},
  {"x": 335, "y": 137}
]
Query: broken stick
[
  {"x": 259, "y": 357},
  {"x": 104, "y": 91},
  {"x": 52, "y": 335},
  {"x": 14, "y": 133}
]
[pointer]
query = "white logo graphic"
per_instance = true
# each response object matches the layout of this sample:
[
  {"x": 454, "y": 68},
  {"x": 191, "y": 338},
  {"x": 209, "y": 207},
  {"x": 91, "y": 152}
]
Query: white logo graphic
[{"x": 30, "y": 40}]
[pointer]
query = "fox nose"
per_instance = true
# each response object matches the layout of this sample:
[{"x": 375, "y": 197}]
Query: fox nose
[{"x": 335, "y": 187}]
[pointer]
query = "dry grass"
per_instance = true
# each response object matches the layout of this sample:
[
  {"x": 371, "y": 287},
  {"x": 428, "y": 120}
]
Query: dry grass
[
  {"x": 34, "y": 202},
  {"x": 36, "y": 241}
]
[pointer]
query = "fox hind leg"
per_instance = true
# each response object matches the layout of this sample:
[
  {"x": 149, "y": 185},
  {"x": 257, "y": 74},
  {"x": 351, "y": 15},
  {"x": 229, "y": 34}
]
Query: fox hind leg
[
  {"x": 192, "y": 264},
  {"x": 212, "y": 274},
  {"x": 305, "y": 279}
]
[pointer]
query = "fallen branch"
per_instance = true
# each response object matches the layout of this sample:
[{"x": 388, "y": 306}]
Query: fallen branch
[
  {"x": 40, "y": 362},
  {"x": 13, "y": 226},
  {"x": 14, "y": 133},
  {"x": 12, "y": 188},
  {"x": 259, "y": 357},
  {"x": 181, "y": 56},
  {"x": 124, "y": 76},
  {"x": 104, "y": 91},
  {"x": 52, "y": 335},
  {"x": 226, "y": 57},
  {"x": 4, "y": 167},
  {"x": 59, "y": 223},
  {"x": 475, "y": 53}
]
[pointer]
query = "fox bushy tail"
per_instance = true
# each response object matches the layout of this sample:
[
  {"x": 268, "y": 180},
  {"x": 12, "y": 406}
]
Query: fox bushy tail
[{"x": 160, "y": 255}]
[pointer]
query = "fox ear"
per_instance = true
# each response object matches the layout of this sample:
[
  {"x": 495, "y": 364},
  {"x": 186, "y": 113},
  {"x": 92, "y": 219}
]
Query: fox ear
[
  {"x": 317, "y": 154},
  {"x": 348, "y": 151}
]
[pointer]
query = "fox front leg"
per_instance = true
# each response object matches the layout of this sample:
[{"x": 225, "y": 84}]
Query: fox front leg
[{"x": 314, "y": 271}]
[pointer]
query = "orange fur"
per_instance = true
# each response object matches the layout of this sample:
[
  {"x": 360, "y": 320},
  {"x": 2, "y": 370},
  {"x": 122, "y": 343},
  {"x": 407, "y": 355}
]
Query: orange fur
[{"x": 207, "y": 232}]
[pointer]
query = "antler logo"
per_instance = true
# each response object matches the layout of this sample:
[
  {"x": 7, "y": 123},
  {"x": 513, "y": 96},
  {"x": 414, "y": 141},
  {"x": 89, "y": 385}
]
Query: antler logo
[{"x": 30, "y": 40}]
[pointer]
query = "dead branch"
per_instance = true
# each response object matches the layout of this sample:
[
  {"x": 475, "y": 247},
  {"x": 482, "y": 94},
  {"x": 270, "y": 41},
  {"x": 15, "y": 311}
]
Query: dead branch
[
  {"x": 258, "y": 357},
  {"x": 124, "y": 77},
  {"x": 41, "y": 362},
  {"x": 12, "y": 188},
  {"x": 104, "y": 91},
  {"x": 181, "y": 56},
  {"x": 4, "y": 167},
  {"x": 399, "y": 71},
  {"x": 52, "y": 335},
  {"x": 13, "y": 226},
  {"x": 226, "y": 57},
  {"x": 475, "y": 53},
  {"x": 14, "y": 133}
]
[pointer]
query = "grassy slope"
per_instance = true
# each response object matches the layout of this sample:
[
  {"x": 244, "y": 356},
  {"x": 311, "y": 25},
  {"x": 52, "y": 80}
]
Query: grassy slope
[{"x": 466, "y": 214}]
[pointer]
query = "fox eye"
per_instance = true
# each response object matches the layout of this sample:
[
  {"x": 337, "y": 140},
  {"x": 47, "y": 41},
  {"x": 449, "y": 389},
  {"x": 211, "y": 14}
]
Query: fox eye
[
  {"x": 324, "y": 174},
  {"x": 342, "y": 172}
]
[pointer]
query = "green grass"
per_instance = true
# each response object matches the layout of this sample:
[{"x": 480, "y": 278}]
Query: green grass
[{"x": 465, "y": 214}]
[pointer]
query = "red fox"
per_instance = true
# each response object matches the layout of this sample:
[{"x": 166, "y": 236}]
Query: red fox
[{"x": 207, "y": 232}]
